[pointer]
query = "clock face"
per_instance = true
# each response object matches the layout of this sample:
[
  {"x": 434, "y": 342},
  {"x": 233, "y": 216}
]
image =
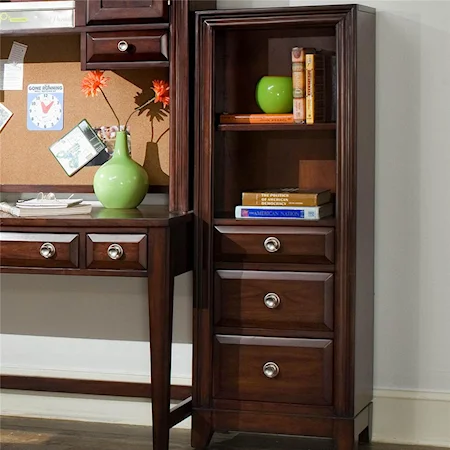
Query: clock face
[{"x": 45, "y": 111}]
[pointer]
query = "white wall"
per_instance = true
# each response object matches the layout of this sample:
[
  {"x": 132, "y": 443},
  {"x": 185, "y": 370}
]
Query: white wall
[{"x": 50, "y": 328}]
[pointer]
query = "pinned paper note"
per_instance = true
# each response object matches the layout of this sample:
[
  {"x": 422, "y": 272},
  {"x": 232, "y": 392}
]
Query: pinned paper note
[
  {"x": 5, "y": 115},
  {"x": 17, "y": 53},
  {"x": 11, "y": 76},
  {"x": 11, "y": 69}
]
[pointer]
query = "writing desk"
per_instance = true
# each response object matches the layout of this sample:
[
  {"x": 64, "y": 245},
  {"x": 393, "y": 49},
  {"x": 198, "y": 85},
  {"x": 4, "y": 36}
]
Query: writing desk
[{"x": 146, "y": 242}]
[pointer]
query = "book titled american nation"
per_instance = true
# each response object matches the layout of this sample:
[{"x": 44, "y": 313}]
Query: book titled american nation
[{"x": 283, "y": 212}]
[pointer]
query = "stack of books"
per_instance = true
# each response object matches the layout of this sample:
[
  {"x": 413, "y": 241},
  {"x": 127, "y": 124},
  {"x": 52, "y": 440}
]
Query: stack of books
[
  {"x": 285, "y": 203},
  {"x": 42, "y": 208}
]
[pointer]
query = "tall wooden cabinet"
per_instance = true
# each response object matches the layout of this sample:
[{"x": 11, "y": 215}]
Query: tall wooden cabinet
[{"x": 283, "y": 326}]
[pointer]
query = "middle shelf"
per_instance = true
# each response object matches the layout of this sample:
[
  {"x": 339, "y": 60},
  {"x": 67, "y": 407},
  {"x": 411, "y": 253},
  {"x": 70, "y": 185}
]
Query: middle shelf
[{"x": 275, "y": 127}]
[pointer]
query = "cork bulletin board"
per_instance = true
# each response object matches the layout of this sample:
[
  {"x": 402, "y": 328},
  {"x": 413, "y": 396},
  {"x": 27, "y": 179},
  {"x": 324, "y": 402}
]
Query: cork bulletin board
[{"x": 25, "y": 158}]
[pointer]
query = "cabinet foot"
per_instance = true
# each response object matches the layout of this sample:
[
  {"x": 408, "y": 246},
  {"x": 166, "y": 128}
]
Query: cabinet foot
[{"x": 202, "y": 430}]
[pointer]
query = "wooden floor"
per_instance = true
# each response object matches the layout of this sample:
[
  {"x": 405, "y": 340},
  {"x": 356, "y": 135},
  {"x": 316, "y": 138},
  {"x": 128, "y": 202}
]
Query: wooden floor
[{"x": 37, "y": 434}]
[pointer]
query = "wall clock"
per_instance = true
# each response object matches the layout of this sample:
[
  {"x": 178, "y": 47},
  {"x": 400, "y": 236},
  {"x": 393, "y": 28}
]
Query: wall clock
[{"x": 45, "y": 107}]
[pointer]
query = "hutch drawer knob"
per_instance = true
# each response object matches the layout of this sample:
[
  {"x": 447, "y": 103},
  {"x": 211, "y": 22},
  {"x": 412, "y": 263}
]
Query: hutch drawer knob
[
  {"x": 271, "y": 369},
  {"x": 115, "y": 251},
  {"x": 122, "y": 46},
  {"x": 272, "y": 244},
  {"x": 47, "y": 250},
  {"x": 272, "y": 300}
]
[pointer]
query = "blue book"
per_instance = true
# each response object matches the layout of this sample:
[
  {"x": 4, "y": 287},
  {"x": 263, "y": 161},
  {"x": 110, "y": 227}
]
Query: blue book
[{"x": 284, "y": 212}]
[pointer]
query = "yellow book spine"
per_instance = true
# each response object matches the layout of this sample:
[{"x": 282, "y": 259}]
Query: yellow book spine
[{"x": 310, "y": 79}]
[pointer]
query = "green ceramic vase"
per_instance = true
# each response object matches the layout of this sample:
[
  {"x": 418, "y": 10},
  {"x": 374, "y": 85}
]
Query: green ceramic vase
[
  {"x": 121, "y": 182},
  {"x": 274, "y": 94}
]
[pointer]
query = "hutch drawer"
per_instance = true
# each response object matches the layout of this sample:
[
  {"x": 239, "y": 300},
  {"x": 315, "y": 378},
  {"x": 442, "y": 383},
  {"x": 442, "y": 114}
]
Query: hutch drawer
[
  {"x": 39, "y": 250},
  {"x": 273, "y": 369},
  {"x": 116, "y": 251},
  {"x": 122, "y": 11},
  {"x": 275, "y": 300},
  {"x": 274, "y": 244},
  {"x": 127, "y": 46}
]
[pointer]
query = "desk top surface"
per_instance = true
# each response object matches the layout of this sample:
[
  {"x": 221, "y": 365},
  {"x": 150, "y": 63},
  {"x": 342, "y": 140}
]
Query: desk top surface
[{"x": 143, "y": 216}]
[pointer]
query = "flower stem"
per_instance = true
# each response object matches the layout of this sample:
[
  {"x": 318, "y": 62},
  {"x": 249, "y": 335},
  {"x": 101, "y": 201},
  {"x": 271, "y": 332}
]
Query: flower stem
[
  {"x": 138, "y": 109},
  {"x": 112, "y": 109},
  {"x": 162, "y": 135},
  {"x": 152, "y": 129}
]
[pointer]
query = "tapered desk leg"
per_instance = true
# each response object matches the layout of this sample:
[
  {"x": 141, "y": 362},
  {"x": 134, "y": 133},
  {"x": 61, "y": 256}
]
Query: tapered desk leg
[{"x": 160, "y": 300}]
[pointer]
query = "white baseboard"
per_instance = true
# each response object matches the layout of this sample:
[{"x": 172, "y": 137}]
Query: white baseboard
[
  {"x": 402, "y": 417},
  {"x": 412, "y": 417}
]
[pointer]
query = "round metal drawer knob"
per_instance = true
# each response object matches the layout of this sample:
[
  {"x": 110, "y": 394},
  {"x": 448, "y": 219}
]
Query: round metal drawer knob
[
  {"x": 122, "y": 46},
  {"x": 271, "y": 369},
  {"x": 272, "y": 300},
  {"x": 115, "y": 251},
  {"x": 47, "y": 250},
  {"x": 272, "y": 244}
]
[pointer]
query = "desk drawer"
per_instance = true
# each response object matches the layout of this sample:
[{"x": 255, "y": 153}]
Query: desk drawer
[
  {"x": 127, "y": 46},
  {"x": 116, "y": 251},
  {"x": 274, "y": 300},
  {"x": 273, "y": 369},
  {"x": 39, "y": 250},
  {"x": 274, "y": 244}
]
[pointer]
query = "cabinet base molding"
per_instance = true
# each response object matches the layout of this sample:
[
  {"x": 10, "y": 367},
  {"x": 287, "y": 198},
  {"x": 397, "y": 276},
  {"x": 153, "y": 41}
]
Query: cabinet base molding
[{"x": 346, "y": 432}]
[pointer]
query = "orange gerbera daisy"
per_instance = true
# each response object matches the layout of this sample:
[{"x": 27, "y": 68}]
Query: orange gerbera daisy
[
  {"x": 93, "y": 83},
  {"x": 161, "y": 89}
]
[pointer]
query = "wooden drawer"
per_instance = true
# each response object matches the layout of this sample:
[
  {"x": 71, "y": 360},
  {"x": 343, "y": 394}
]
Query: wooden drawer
[
  {"x": 116, "y": 251},
  {"x": 126, "y": 46},
  {"x": 122, "y": 11},
  {"x": 276, "y": 300},
  {"x": 56, "y": 250},
  {"x": 274, "y": 244},
  {"x": 273, "y": 369}
]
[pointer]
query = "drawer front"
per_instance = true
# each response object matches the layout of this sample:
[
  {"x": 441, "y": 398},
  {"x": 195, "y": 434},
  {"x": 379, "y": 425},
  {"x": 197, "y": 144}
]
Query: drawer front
[
  {"x": 276, "y": 300},
  {"x": 98, "y": 11},
  {"x": 132, "y": 46},
  {"x": 274, "y": 244},
  {"x": 116, "y": 251},
  {"x": 39, "y": 250},
  {"x": 273, "y": 369}
]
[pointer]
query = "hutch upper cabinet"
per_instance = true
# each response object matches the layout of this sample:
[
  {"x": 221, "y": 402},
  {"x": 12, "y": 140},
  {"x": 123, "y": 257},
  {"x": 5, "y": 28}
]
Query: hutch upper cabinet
[
  {"x": 283, "y": 325},
  {"x": 120, "y": 11}
]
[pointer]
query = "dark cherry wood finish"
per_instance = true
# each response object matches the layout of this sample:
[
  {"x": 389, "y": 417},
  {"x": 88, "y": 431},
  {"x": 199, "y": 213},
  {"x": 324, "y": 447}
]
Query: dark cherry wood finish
[
  {"x": 245, "y": 299},
  {"x": 234, "y": 333},
  {"x": 120, "y": 11},
  {"x": 134, "y": 248},
  {"x": 24, "y": 249},
  {"x": 158, "y": 35},
  {"x": 89, "y": 387},
  {"x": 305, "y": 369},
  {"x": 152, "y": 45},
  {"x": 154, "y": 244},
  {"x": 299, "y": 245}
]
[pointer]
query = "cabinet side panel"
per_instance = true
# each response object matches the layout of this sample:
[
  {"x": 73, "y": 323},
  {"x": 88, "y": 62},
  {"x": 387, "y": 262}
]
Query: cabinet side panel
[{"x": 364, "y": 301}]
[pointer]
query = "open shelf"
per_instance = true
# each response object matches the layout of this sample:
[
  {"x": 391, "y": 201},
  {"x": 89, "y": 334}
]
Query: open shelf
[
  {"x": 228, "y": 220},
  {"x": 275, "y": 127}
]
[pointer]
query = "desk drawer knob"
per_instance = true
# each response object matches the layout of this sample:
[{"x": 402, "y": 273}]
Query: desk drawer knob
[
  {"x": 122, "y": 46},
  {"x": 271, "y": 369},
  {"x": 272, "y": 244},
  {"x": 272, "y": 300},
  {"x": 47, "y": 250},
  {"x": 115, "y": 251}
]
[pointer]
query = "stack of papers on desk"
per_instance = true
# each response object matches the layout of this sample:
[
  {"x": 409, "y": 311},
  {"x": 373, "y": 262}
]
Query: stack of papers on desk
[{"x": 39, "y": 208}]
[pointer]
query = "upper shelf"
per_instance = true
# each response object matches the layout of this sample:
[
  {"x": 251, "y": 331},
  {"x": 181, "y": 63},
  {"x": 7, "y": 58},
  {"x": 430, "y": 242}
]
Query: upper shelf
[{"x": 275, "y": 127}]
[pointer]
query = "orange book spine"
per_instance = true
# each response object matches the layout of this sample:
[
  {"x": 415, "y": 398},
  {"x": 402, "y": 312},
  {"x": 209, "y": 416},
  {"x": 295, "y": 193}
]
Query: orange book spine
[
  {"x": 298, "y": 84},
  {"x": 310, "y": 85},
  {"x": 256, "y": 118}
]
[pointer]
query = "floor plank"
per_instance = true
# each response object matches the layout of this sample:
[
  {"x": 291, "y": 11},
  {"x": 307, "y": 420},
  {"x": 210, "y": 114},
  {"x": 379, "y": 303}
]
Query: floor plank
[{"x": 39, "y": 434}]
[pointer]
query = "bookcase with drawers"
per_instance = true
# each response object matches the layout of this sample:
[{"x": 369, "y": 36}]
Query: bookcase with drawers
[{"x": 283, "y": 308}]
